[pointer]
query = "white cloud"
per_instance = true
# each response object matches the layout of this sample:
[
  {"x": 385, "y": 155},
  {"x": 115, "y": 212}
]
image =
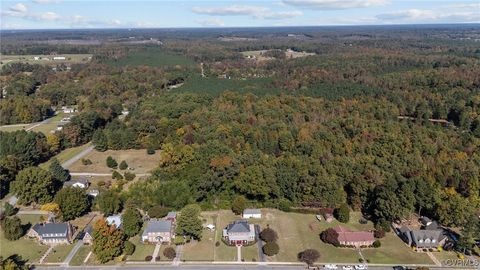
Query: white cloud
[
  {"x": 335, "y": 4},
  {"x": 45, "y": 1},
  {"x": 429, "y": 16},
  {"x": 46, "y": 16},
  {"x": 257, "y": 12},
  {"x": 229, "y": 11},
  {"x": 465, "y": 6},
  {"x": 19, "y": 7},
  {"x": 213, "y": 22}
]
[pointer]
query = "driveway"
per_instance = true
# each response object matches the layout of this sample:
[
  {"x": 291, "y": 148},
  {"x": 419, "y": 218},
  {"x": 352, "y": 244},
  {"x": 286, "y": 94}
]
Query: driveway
[
  {"x": 261, "y": 256},
  {"x": 72, "y": 253},
  {"x": 77, "y": 157}
]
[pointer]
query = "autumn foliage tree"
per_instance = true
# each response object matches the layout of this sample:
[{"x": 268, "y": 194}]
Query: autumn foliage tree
[{"x": 107, "y": 241}]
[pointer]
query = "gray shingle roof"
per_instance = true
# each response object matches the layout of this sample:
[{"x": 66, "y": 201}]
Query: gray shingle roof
[
  {"x": 51, "y": 230},
  {"x": 427, "y": 237},
  {"x": 251, "y": 211},
  {"x": 238, "y": 226},
  {"x": 158, "y": 226}
]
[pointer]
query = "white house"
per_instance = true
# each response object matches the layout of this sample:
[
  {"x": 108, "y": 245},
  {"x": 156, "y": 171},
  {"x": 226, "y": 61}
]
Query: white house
[
  {"x": 114, "y": 220},
  {"x": 66, "y": 109},
  {"x": 79, "y": 183},
  {"x": 252, "y": 213},
  {"x": 59, "y": 58}
]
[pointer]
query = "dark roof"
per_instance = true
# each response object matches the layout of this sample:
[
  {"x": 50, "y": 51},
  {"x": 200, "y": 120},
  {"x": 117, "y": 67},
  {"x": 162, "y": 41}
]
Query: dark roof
[
  {"x": 51, "y": 230},
  {"x": 156, "y": 226},
  {"x": 425, "y": 220},
  {"x": 238, "y": 226},
  {"x": 427, "y": 237},
  {"x": 89, "y": 229},
  {"x": 432, "y": 226}
]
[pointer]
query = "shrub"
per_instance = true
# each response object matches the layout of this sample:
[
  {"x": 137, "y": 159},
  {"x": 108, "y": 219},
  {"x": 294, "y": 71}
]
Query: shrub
[
  {"x": 270, "y": 249},
  {"x": 157, "y": 212},
  {"x": 217, "y": 244},
  {"x": 86, "y": 162},
  {"x": 284, "y": 205},
  {"x": 129, "y": 176},
  {"x": 101, "y": 183},
  {"x": 379, "y": 233},
  {"x": 150, "y": 151},
  {"x": 384, "y": 224},
  {"x": 268, "y": 235},
  {"x": 309, "y": 256},
  {"x": 239, "y": 204},
  {"x": 9, "y": 210},
  {"x": 111, "y": 163},
  {"x": 377, "y": 244},
  {"x": 157, "y": 259},
  {"x": 179, "y": 240},
  {"x": 330, "y": 236},
  {"x": 123, "y": 165},
  {"x": 170, "y": 253},
  {"x": 342, "y": 213},
  {"x": 116, "y": 175},
  {"x": 128, "y": 248},
  {"x": 148, "y": 258}
]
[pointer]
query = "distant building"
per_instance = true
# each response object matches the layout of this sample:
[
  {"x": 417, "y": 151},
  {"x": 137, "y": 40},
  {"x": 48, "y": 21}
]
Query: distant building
[
  {"x": 158, "y": 231},
  {"x": 172, "y": 216},
  {"x": 36, "y": 58},
  {"x": 240, "y": 232},
  {"x": 88, "y": 235},
  {"x": 59, "y": 58},
  {"x": 252, "y": 213},
  {"x": 66, "y": 109},
  {"x": 114, "y": 220},
  {"x": 52, "y": 233},
  {"x": 347, "y": 237},
  {"x": 93, "y": 192},
  {"x": 80, "y": 183}
]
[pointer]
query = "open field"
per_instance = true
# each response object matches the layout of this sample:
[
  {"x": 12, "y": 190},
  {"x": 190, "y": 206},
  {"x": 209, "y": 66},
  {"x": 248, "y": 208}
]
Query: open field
[
  {"x": 80, "y": 256},
  {"x": 45, "y": 59},
  {"x": 216, "y": 86},
  {"x": 138, "y": 160},
  {"x": 66, "y": 154},
  {"x": 30, "y": 250},
  {"x": 151, "y": 57},
  {"x": 59, "y": 253},
  {"x": 47, "y": 128},
  {"x": 141, "y": 250},
  {"x": 10, "y": 128}
]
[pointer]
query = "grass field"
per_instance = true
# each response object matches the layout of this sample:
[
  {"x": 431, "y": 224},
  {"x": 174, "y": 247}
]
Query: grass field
[
  {"x": 141, "y": 250},
  {"x": 136, "y": 159},
  {"x": 52, "y": 124},
  {"x": 151, "y": 57},
  {"x": 10, "y": 128},
  {"x": 28, "y": 249},
  {"x": 44, "y": 59},
  {"x": 80, "y": 256},
  {"x": 59, "y": 253},
  {"x": 66, "y": 154}
]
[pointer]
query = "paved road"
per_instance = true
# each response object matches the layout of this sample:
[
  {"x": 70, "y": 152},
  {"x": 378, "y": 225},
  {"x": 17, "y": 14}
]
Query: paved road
[
  {"x": 103, "y": 174},
  {"x": 73, "y": 252},
  {"x": 77, "y": 157},
  {"x": 204, "y": 267}
]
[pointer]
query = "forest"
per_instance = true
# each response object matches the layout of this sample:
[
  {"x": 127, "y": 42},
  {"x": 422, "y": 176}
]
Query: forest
[{"x": 388, "y": 123}]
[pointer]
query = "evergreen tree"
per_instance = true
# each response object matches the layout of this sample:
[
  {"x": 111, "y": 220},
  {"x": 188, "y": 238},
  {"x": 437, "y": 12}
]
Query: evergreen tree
[
  {"x": 131, "y": 222},
  {"x": 342, "y": 213},
  {"x": 58, "y": 172},
  {"x": 189, "y": 222},
  {"x": 12, "y": 228},
  {"x": 123, "y": 165},
  {"x": 111, "y": 162},
  {"x": 73, "y": 202},
  {"x": 109, "y": 202},
  {"x": 100, "y": 140}
]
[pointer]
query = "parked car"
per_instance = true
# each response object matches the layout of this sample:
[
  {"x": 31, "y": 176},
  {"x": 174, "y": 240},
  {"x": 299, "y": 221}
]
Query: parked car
[
  {"x": 347, "y": 267},
  {"x": 398, "y": 267},
  {"x": 361, "y": 267},
  {"x": 330, "y": 266}
]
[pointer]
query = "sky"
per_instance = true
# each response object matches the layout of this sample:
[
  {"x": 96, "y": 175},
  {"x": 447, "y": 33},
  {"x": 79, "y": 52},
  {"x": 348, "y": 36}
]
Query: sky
[{"x": 70, "y": 14}]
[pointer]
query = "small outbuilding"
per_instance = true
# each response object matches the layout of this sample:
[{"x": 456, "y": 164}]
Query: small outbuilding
[{"x": 252, "y": 213}]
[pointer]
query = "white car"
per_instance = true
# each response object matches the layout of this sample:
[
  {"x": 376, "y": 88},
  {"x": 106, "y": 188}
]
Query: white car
[
  {"x": 361, "y": 267},
  {"x": 347, "y": 267},
  {"x": 330, "y": 266}
]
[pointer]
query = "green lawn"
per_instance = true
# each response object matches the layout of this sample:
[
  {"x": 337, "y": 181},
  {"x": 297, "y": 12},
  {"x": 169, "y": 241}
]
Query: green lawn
[
  {"x": 393, "y": 250},
  {"x": 52, "y": 125},
  {"x": 141, "y": 250},
  {"x": 28, "y": 249},
  {"x": 250, "y": 253},
  {"x": 153, "y": 57},
  {"x": 80, "y": 256},
  {"x": 59, "y": 253},
  {"x": 224, "y": 252},
  {"x": 445, "y": 256},
  {"x": 66, "y": 154}
]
